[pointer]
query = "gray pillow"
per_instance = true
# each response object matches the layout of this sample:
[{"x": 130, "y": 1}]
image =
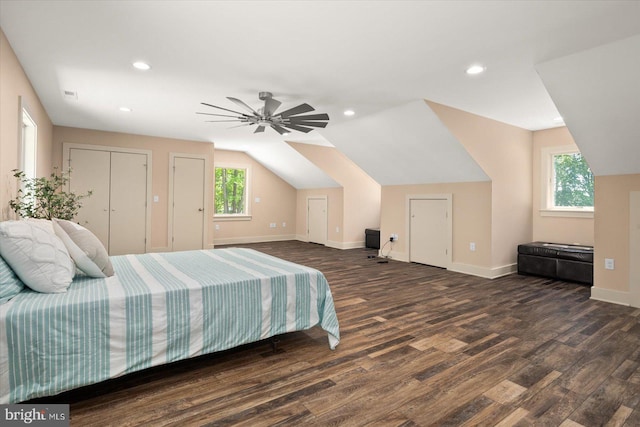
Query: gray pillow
[{"x": 86, "y": 250}]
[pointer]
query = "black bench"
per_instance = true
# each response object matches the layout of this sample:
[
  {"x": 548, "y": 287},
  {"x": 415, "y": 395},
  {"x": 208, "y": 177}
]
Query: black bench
[{"x": 556, "y": 260}]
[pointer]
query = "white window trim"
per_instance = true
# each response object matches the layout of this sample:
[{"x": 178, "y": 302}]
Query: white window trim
[
  {"x": 247, "y": 197},
  {"x": 28, "y": 135},
  {"x": 546, "y": 186}
]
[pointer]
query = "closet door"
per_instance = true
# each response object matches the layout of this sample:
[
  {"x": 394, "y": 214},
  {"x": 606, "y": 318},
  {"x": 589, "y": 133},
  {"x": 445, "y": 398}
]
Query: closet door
[
  {"x": 188, "y": 203},
  {"x": 317, "y": 220},
  {"x": 128, "y": 204},
  {"x": 429, "y": 232},
  {"x": 90, "y": 170}
]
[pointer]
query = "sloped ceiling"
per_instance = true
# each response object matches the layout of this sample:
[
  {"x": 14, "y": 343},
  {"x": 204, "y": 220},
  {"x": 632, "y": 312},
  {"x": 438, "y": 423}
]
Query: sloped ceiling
[
  {"x": 597, "y": 91},
  {"x": 368, "y": 56},
  {"x": 290, "y": 165},
  {"x": 407, "y": 144}
]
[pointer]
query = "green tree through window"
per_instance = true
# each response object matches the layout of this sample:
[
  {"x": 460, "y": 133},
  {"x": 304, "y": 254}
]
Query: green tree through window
[
  {"x": 230, "y": 191},
  {"x": 573, "y": 183}
]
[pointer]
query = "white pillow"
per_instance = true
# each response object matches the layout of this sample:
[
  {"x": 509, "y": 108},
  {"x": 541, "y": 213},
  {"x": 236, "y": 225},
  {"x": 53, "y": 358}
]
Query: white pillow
[
  {"x": 86, "y": 250},
  {"x": 38, "y": 258}
]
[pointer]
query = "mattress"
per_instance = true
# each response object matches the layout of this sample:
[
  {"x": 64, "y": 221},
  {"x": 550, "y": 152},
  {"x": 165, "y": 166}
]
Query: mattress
[{"x": 157, "y": 308}]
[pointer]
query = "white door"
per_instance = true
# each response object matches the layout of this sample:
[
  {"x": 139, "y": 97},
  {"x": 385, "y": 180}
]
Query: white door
[
  {"x": 317, "y": 220},
  {"x": 90, "y": 170},
  {"x": 128, "y": 215},
  {"x": 429, "y": 232},
  {"x": 188, "y": 203}
]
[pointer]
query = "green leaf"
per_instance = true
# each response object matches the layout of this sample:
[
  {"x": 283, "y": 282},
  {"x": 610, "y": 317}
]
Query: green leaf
[{"x": 45, "y": 198}]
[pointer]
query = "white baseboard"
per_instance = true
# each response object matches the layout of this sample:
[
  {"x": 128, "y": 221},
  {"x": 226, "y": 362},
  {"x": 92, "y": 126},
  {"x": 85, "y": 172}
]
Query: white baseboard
[
  {"x": 398, "y": 256},
  {"x": 345, "y": 245},
  {"x": 486, "y": 272},
  {"x": 474, "y": 270},
  {"x": 609, "y": 295},
  {"x": 252, "y": 239}
]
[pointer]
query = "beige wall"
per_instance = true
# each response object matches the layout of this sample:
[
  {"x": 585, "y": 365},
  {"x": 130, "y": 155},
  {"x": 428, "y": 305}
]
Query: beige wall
[
  {"x": 553, "y": 228},
  {"x": 160, "y": 148},
  {"x": 471, "y": 219},
  {"x": 335, "y": 207},
  {"x": 504, "y": 152},
  {"x": 361, "y": 193},
  {"x": 612, "y": 231},
  {"x": 13, "y": 85},
  {"x": 277, "y": 205}
]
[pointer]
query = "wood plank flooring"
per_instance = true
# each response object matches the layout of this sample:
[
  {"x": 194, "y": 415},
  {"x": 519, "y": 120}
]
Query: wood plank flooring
[{"x": 420, "y": 346}]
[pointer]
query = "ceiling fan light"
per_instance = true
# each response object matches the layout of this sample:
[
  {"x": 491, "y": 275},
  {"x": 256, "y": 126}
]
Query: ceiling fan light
[
  {"x": 475, "y": 70},
  {"x": 140, "y": 65}
]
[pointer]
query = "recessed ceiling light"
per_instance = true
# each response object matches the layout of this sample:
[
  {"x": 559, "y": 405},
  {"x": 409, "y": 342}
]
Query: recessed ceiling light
[
  {"x": 475, "y": 69},
  {"x": 142, "y": 65},
  {"x": 125, "y": 109},
  {"x": 349, "y": 112}
]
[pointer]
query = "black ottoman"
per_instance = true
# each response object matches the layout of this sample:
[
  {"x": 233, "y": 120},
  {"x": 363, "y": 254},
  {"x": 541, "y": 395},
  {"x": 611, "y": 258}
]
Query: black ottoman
[{"x": 556, "y": 260}]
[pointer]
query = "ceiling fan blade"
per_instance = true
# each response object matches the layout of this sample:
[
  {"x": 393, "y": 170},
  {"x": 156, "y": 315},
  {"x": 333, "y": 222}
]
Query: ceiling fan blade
[
  {"x": 225, "y": 109},
  {"x": 312, "y": 124},
  {"x": 279, "y": 129},
  {"x": 224, "y": 121},
  {"x": 322, "y": 116},
  {"x": 242, "y": 104},
  {"x": 270, "y": 106},
  {"x": 242, "y": 125},
  {"x": 219, "y": 115},
  {"x": 302, "y": 108},
  {"x": 259, "y": 129},
  {"x": 298, "y": 128}
]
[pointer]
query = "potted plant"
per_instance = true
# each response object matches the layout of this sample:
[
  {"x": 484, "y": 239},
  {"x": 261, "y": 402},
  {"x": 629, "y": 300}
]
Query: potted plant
[{"x": 45, "y": 198}]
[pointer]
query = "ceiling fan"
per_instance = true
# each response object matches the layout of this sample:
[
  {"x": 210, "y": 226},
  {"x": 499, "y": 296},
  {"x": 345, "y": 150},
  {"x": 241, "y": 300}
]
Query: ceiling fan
[{"x": 282, "y": 122}]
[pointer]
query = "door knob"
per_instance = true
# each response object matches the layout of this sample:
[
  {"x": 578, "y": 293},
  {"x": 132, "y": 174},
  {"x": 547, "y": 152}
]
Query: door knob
[{"x": 200, "y": 210}]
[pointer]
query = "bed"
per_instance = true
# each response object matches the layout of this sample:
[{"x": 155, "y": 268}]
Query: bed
[{"x": 157, "y": 308}]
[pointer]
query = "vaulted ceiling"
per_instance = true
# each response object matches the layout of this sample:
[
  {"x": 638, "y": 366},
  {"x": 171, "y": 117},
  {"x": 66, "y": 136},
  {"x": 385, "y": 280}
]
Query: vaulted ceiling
[{"x": 380, "y": 58}]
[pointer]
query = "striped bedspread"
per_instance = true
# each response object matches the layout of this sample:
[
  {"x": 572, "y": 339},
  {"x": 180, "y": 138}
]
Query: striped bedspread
[{"x": 157, "y": 309}]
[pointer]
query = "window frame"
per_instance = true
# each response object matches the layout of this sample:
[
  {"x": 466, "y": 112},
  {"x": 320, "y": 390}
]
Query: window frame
[
  {"x": 547, "y": 207},
  {"x": 246, "y": 216},
  {"x": 28, "y": 142}
]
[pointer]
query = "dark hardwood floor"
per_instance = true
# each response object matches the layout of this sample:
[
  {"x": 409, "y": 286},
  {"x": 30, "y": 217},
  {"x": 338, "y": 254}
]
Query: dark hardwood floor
[{"x": 420, "y": 346}]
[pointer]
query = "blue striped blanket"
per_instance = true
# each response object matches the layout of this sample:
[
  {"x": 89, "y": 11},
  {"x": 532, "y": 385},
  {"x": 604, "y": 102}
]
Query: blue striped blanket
[{"x": 158, "y": 308}]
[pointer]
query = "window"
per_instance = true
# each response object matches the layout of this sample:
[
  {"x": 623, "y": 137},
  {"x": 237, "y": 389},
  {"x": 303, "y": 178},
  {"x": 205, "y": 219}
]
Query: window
[
  {"x": 231, "y": 194},
  {"x": 568, "y": 182},
  {"x": 28, "y": 145}
]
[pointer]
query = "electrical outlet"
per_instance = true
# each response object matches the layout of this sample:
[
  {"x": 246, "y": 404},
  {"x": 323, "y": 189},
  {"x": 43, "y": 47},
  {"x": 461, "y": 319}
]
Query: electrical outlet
[
  {"x": 272, "y": 225},
  {"x": 394, "y": 237},
  {"x": 217, "y": 226},
  {"x": 472, "y": 246},
  {"x": 609, "y": 264},
  {"x": 284, "y": 224}
]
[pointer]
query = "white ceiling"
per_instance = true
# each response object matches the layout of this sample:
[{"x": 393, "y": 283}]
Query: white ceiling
[{"x": 369, "y": 56}]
